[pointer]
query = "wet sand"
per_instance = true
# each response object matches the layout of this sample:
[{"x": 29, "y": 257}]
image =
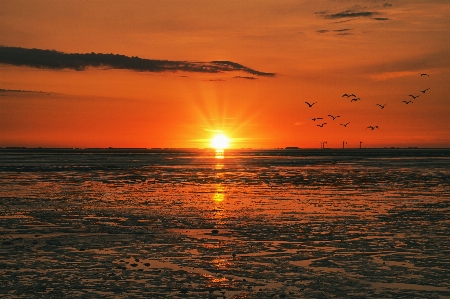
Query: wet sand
[{"x": 322, "y": 231}]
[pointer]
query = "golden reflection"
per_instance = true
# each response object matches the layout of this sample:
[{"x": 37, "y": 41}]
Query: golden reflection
[
  {"x": 219, "y": 279},
  {"x": 218, "y": 198},
  {"x": 219, "y": 195},
  {"x": 221, "y": 264},
  {"x": 220, "y": 154}
]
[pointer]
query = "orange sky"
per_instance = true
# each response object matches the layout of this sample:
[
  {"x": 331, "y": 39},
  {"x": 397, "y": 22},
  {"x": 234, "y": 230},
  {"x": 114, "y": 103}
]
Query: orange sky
[{"x": 318, "y": 50}]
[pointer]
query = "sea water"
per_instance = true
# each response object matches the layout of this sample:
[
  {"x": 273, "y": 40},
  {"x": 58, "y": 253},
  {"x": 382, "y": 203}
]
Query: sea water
[{"x": 173, "y": 223}]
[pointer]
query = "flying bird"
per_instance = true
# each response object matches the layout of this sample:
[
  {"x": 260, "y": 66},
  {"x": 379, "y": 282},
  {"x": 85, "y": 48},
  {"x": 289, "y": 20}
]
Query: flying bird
[
  {"x": 310, "y": 105},
  {"x": 407, "y": 102},
  {"x": 316, "y": 118},
  {"x": 382, "y": 106},
  {"x": 348, "y": 95},
  {"x": 333, "y": 117},
  {"x": 424, "y": 91},
  {"x": 413, "y": 96},
  {"x": 372, "y": 127},
  {"x": 321, "y": 125},
  {"x": 355, "y": 99},
  {"x": 345, "y": 125}
]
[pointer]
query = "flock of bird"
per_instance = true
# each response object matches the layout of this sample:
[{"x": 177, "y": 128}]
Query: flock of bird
[{"x": 354, "y": 98}]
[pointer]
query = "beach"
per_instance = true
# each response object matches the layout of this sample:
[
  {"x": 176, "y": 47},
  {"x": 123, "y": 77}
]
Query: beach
[{"x": 165, "y": 223}]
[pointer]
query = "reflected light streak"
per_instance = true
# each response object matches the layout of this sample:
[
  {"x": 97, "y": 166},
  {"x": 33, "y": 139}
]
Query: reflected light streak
[
  {"x": 218, "y": 198},
  {"x": 219, "y": 195},
  {"x": 220, "y": 154}
]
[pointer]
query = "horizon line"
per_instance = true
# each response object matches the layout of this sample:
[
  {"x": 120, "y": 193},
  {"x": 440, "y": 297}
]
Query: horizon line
[{"x": 288, "y": 148}]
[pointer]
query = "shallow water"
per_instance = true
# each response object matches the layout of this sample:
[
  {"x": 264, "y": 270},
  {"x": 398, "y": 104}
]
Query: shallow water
[{"x": 254, "y": 224}]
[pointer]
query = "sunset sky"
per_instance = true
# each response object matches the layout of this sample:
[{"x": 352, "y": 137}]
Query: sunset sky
[{"x": 186, "y": 70}]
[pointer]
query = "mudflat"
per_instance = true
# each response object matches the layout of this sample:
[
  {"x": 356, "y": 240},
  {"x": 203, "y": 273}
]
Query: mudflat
[{"x": 255, "y": 224}]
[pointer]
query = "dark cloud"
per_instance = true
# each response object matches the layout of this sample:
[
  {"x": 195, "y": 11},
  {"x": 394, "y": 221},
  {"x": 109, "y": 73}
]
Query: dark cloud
[
  {"x": 387, "y": 4},
  {"x": 322, "y": 13},
  {"x": 342, "y": 30},
  {"x": 13, "y": 90},
  {"x": 381, "y": 19},
  {"x": 3, "y": 90},
  {"x": 245, "y": 77},
  {"x": 50, "y": 59},
  {"x": 343, "y": 21},
  {"x": 350, "y": 14}
]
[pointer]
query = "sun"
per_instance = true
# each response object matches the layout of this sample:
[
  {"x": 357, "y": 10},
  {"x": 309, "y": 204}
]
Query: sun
[{"x": 220, "y": 142}]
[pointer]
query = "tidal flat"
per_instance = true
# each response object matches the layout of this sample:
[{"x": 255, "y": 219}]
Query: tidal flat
[{"x": 252, "y": 224}]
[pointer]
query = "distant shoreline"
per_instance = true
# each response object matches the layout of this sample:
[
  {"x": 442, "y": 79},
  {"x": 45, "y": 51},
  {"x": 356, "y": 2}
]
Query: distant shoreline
[{"x": 164, "y": 149}]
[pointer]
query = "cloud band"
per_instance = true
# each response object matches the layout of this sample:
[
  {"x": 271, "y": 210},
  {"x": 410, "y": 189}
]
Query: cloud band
[{"x": 50, "y": 59}]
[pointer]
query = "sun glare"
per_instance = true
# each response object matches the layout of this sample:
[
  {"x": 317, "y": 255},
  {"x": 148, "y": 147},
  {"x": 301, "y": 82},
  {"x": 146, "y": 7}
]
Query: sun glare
[{"x": 220, "y": 142}]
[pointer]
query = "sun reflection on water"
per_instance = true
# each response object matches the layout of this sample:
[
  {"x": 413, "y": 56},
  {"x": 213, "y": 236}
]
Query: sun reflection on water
[
  {"x": 220, "y": 154},
  {"x": 218, "y": 199},
  {"x": 219, "y": 195}
]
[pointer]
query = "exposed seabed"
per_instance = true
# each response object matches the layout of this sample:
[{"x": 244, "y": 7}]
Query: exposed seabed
[
  {"x": 246, "y": 242},
  {"x": 319, "y": 231}
]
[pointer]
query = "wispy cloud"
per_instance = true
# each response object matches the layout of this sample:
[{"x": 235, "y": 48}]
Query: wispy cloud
[
  {"x": 392, "y": 75},
  {"x": 3, "y": 90},
  {"x": 342, "y": 21},
  {"x": 245, "y": 77},
  {"x": 216, "y": 80},
  {"x": 350, "y": 14},
  {"x": 50, "y": 59},
  {"x": 431, "y": 63},
  {"x": 342, "y": 30}
]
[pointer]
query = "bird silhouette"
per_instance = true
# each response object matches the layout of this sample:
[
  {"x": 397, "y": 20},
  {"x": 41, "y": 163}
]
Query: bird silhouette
[
  {"x": 310, "y": 105},
  {"x": 345, "y": 125},
  {"x": 413, "y": 96},
  {"x": 348, "y": 95},
  {"x": 355, "y": 99},
  {"x": 382, "y": 106},
  {"x": 372, "y": 127},
  {"x": 407, "y": 102},
  {"x": 321, "y": 125},
  {"x": 425, "y": 90},
  {"x": 316, "y": 118},
  {"x": 333, "y": 117},
  {"x": 422, "y": 74}
]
